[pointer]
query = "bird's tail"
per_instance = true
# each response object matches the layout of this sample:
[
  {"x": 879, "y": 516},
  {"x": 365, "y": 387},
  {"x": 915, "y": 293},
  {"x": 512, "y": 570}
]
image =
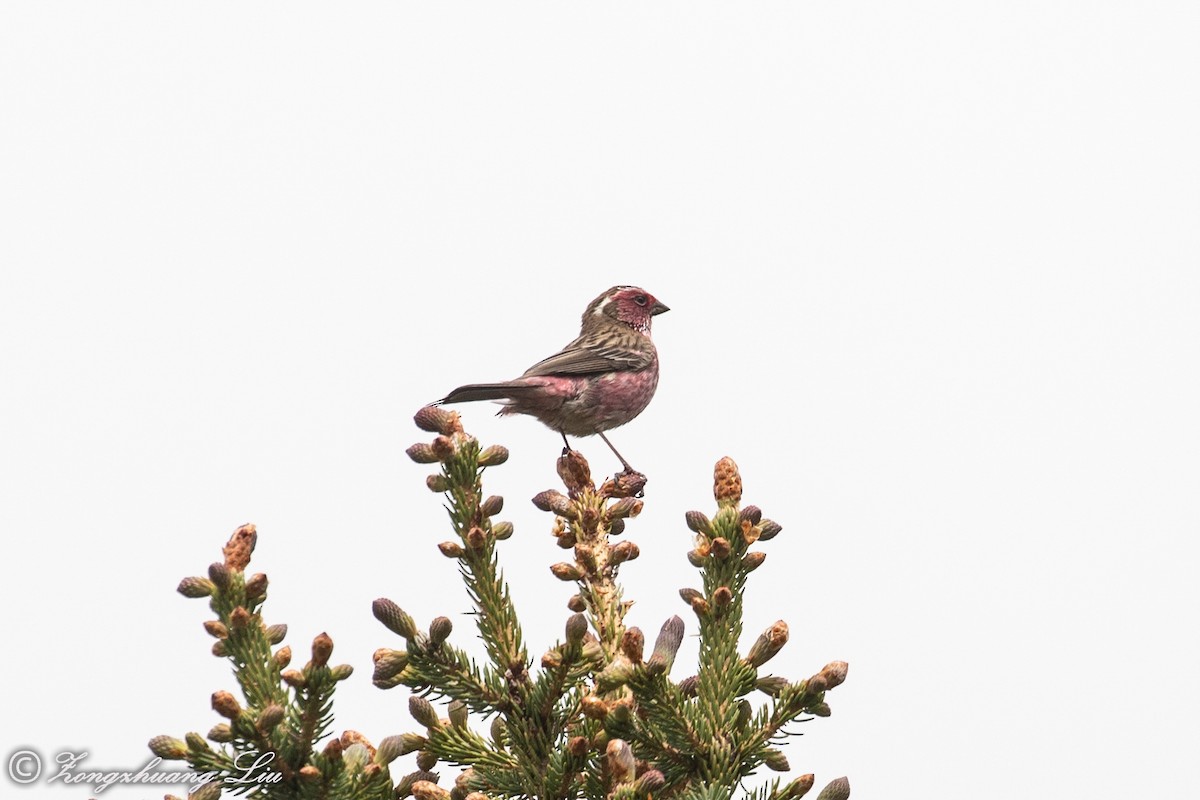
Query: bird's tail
[{"x": 484, "y": 391}]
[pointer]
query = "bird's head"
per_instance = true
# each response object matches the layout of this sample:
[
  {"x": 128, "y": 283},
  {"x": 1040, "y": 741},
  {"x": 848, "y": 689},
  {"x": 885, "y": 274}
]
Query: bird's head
[{"x": 627, "y": 305}]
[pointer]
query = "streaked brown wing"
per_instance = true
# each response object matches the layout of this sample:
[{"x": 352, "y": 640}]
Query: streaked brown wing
[{"x": 580, "y": 359}]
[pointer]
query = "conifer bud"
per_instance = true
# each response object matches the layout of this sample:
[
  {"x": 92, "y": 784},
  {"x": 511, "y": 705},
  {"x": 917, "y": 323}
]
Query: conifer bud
[
  {"x": 465, "y": 780},
  {"x": 239, "y": 547},
  {"x": 557, "y": 502},
  {"x": 405, "y": 784},
  {"x": 218, "y": 573},
  {"x": 797, "y": 788},
  {"x": 256, "y": 587},
  {"x": 427, "y": 790},
  {"x": 619, "y": 756},
  {"x": 276, "y": 633},
  {"x": 771, "y": 685},
  {"x": 576, "y": 603},
  {"x": 216, "y": 628},
  {"x": 593, "y": 707},
  {"x": 282, "y": 657},
  {"x": 168, "y": 748},
  {"x": 498, "y": 730},
  {"x": 751, "y": 514},
  {"x": 208, "y": 791},
  {"x": 625, "y": 551},
  {"x": 451, "y": 549},
  {"x": 394, "y": 618},
  {"x": 333, "y": 750},
  {"x": 442, "y": 447},
  {"x": 820, "y": 710},
  {"x": 352, "y": 738},
  {"x": 589, "y": 518},
  {"x": 409, "y": 743},
  {"x": 727, "y": 482},
  {"x": 753, "y": 560},
  {"x": 775, "y": 760},
  {"x": 566, "y": 540},
  {"x": 437, "y": 483},
  {"x": 614, "y": 675},
  {"x": 577, "y": 746},
  {"x": 835, "y": 673},
  {"x": 423, "y": 712},
  {"x": 476, "y": 538},
  {"x": 426, "y": 760},
  {"x": 239, "y": 618},
  {"x": 293, "y": 678},
  {"x": 226, "y": 705},
  {"x": 220, "y": 649},
  {"x": 195, "y": 743},
  {"x": 566, "y": 572},
  {"x": 576, "y": 628},
  {"x": 422, "y": 453},
  {"x": 322, "y": 649},
  {"x": 309, "y": 774},
  {"x": 722, "y": 597},
  {"x": 698, "y": 523},
  {"x": 649, "y": 782},
  {"x": 837, "y": 789},
  {"x": 195, "y": 587},
  {"x": 437, "y": 420},
  {"x": 697, "y": 557},
  {"x": 552, "y": 659},
  {"x": 389, "y": 750},
  {"x": 493, "y": 456},
  {"x": 221, "y": 733},
  {"x": 492, "y": 506},
  {"x": 502, "y": 530},
  {"x": 666, "y": 646},
  {"x": 585, "y": 557},
  {"x": 458, "y": 713},
  {"x": 768, "y": 530},
  {"x": 633, "y": 644},
  {"x": 439, "y": 630},
  {"x": 690, "y": 595},
  {"x": 341, "y": 672},
  {"x": 270, "y": 716},
  {"x": 616, "y": 527},
  {"x": 720, "y": 548},
  {"x": 701, "y": 607},
  {"x": 623, "y": 508},
  {"x": 593, "y": 653},
  {"x": 689, "y": 685},
  {"x": 816, "y": 684},
  {"x": 768, "y": 644}
]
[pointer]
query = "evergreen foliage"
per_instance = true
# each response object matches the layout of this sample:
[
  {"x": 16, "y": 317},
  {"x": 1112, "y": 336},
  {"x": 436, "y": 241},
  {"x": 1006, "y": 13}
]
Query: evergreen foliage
[{"x": 597, "y": 718}]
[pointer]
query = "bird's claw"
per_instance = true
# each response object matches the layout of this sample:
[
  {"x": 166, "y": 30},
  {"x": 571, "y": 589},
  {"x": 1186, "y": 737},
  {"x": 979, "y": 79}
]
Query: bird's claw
[{"x": 626, "y": 483}]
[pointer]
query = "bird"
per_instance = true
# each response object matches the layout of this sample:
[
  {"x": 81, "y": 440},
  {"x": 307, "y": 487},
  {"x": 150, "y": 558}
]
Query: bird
[{"x": 601, "y": 380}]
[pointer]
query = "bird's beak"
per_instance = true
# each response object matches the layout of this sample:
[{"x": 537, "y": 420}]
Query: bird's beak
[{"x": 658, "y": 308}]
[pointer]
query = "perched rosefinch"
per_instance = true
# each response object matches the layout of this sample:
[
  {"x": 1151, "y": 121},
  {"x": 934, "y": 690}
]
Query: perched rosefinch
[{"x": 603, "y": 379}]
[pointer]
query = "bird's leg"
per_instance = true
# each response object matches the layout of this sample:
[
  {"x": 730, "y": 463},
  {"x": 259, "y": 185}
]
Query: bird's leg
[
  {"x": 566, "y": 444},
  {"x": 624, "y": 463}
]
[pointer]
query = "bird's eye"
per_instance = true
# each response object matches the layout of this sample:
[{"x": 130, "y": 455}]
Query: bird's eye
[{"x": 640, "y": 299}]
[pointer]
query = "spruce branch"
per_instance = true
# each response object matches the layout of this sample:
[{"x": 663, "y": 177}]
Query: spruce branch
[
  {"x": 597, "y": 718},
  {"x": 270, "y": 735}
]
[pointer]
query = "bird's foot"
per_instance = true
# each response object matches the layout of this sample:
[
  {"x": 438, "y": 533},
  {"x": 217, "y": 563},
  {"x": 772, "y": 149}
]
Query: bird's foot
[{"x": 626, "y": 483}]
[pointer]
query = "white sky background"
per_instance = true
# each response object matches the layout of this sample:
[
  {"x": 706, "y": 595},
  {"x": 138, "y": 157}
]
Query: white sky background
[{"x": 934, "y": 273}]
